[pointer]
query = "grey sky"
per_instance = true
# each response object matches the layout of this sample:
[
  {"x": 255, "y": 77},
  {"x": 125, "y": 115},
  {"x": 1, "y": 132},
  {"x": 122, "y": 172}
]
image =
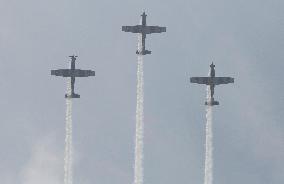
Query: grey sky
[{"x": 244, "y": 38}]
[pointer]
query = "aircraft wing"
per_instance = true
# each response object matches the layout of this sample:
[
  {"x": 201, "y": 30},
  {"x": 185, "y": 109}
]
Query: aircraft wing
[
  {"x": 200, "y": 80},
  {"x": 132, "y": 29},
  {"x": 214, "y": 80},
  {"x": 155, "y": 29},
  {"x": 72, "y": 73},
  {"x": 223, "y": 80},
  {"x": 83, "y": 73},
  {"x": 61, "y": 72}
]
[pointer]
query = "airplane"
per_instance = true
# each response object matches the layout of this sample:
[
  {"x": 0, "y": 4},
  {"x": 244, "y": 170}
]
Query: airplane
[
  {"x": 212, "y": 81},
  {"x": 72, "y": 72},
  {"x": 144, "y": 30}
]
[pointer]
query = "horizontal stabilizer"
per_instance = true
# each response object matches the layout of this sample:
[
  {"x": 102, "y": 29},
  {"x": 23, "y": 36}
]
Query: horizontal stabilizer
[
  {"x": 72, "y": 96},
  {"x": 143, "y": 52},
  {"x": 211, "y": 102}
]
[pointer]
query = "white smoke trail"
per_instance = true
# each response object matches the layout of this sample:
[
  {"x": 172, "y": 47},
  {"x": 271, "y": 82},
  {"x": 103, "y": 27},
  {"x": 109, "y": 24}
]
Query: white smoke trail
[
  {"x": 68, "y": 175},
  {"x": 138, "y": 167},
  {"x": 208, "y": 175}
]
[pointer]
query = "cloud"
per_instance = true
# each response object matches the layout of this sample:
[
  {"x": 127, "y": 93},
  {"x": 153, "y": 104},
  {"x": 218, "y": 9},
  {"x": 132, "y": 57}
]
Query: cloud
[{"x": 45, "y": 165}]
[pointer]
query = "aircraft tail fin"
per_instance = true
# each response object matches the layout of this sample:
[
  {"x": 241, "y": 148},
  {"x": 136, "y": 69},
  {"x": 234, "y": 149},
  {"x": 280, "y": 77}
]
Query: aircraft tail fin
[
  {"x": 143, "y": 52},
  {"x": 211, "y": 102},
  {"x": 73, "y": 95}
]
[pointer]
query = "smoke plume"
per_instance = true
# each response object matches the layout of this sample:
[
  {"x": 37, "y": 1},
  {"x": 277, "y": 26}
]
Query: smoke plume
[
  {"x": 208, "y": 175},
  {"x": 68, "y": 160},
  {"x": 138, "y": 167}
]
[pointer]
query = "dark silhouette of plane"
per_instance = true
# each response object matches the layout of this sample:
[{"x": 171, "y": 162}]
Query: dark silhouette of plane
[
  {"x": 143, "y": 29},
  {"x": 212, "y": 81},
  {"x": 73, "y": 73}
]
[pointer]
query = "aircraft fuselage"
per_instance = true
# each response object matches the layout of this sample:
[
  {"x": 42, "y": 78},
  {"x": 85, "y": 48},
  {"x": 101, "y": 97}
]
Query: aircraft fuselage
[
  {"x": 143, "y": 50},
  {"x": 212, "y": 75}
]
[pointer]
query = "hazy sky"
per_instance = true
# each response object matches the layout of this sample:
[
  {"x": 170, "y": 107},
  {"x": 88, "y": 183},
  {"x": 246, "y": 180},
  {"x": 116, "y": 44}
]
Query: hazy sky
[{"x": 244, "y": 38}]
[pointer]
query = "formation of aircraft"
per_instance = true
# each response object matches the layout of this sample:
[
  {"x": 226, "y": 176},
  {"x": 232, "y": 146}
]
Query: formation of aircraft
[
  {"x": 143, "y": 29},
  {"x": 73, "y": 73},
  {"x": 212, "y": 81}
]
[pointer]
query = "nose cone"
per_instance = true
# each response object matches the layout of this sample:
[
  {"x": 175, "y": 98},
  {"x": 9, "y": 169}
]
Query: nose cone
[
  {"x": 143, "y": 14},
  {"x": 212, "y": 65},
  {"x": 73, "y": 58}
]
